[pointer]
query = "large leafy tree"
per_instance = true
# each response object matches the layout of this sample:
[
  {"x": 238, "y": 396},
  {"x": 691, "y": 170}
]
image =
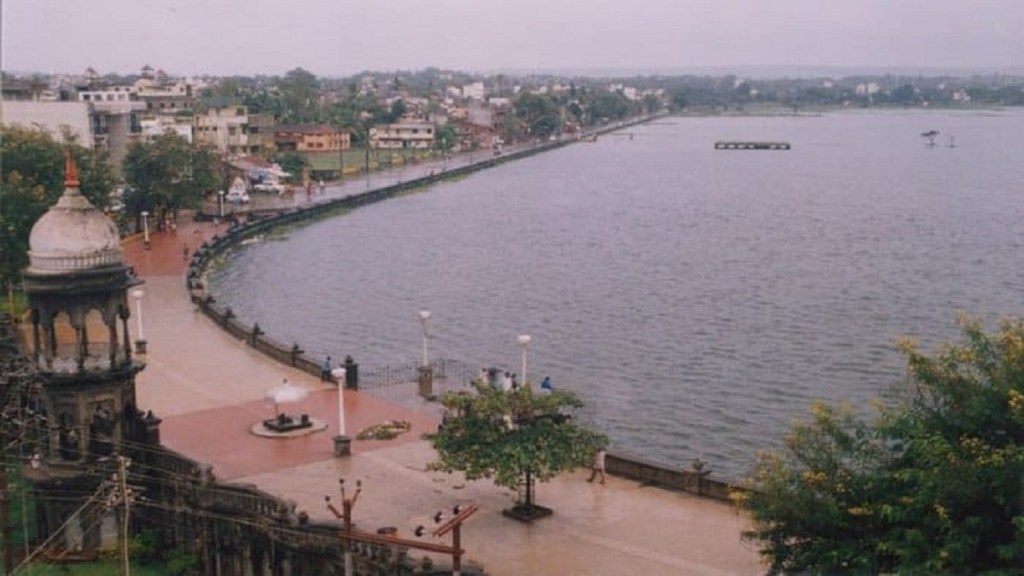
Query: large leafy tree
[
  {"x": 932, "y": 486},
  {"x": 540, "y": 114},
  {"x": 300, "y": 92},
  {"x": 32, "y": 179},
  {"x": 169, "y": 173},
  {"x": 514, "y": 438}
]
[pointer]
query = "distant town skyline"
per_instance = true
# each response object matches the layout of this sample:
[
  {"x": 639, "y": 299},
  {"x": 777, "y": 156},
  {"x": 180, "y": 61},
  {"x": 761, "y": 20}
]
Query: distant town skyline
[{"x": 343, "y": 37}]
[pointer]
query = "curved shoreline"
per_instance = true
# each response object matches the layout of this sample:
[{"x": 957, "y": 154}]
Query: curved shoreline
[
  {"x": 293, "y": 355},
  {"x": 195, "y": 276}
]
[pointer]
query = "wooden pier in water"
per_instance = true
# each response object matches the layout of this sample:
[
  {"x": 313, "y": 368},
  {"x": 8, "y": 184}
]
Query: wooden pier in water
[{"x": 730, "y": 145}]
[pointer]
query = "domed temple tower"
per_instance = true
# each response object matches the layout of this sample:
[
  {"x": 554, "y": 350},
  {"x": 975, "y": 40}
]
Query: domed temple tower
[{"x": 77, "y": 285}]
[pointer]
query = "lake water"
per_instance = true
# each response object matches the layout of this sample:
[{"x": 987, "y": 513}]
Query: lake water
[{"x": 699, "y": 299}]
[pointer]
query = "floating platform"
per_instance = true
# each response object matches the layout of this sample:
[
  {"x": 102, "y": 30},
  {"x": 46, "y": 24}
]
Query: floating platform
[{"x": 751, "y": 145}]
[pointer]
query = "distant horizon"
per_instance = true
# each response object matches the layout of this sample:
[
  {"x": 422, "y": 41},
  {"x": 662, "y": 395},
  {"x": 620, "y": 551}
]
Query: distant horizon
[
  {"x": 746, "y": 71},
  {"x": 332, "y": 38}
]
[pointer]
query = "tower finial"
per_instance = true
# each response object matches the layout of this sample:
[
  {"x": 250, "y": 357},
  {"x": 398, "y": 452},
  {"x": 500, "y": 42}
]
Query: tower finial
[{"x": 70, "y": 172}]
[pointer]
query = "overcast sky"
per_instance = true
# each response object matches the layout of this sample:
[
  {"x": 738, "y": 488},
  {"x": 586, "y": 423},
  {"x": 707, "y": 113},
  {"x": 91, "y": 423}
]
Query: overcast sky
[{"x": 341, "y": 37}]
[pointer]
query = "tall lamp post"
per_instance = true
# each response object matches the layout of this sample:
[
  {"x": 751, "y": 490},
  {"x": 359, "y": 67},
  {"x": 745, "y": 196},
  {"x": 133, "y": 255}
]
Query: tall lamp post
[
  {"x": 524, "y": 341},
  {"x": 424, "y": 316},
  {"x": 342, "y": 443},
  {"x": 145, "y": 229},
  {"x": 426, "y": 382},
  {"x": 140, "y": 342}
]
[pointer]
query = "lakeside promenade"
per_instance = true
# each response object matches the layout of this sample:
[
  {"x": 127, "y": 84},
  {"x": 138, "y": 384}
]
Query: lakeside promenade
[{"x": 209, "y": 388}]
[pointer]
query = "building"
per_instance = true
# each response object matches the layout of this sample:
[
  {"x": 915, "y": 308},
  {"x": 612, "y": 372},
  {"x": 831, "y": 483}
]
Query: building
[
  {"x": 156, "y": 126},
  {"x": 84, "y": 386},
  {"x": 55, "y": 118},
  {"x": 114, "y": 116},
  {"x": 473, "y": 91},
  {"x": 232, "y": 130},
  {"x": 104, "y": 120},
  {"x": 406, "y": 134},
  {"x": 311, "y": 138},
  {"x": 322, "y": 145}
]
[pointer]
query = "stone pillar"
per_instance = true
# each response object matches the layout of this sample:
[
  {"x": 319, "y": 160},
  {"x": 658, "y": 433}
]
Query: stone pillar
[
  {"x": 342, "y": 446},
  {"x": 426, "y": 381}
]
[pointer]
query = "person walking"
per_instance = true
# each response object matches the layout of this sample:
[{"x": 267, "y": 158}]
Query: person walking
[{"x": 597, "y": 468}]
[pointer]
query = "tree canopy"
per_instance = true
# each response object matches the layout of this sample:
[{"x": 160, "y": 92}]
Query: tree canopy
[
  {"x": 32, "y": 179},
  {"x": 539, "y": 113},
  {"x": 933, "y": 485},
  {"x": 169, "y": 173},
  {"x": 513, "y": 437}
]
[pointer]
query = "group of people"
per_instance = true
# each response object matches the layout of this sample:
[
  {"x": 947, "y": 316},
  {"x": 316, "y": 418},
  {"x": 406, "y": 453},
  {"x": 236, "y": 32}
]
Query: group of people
[{"x": 508, "y": 381}]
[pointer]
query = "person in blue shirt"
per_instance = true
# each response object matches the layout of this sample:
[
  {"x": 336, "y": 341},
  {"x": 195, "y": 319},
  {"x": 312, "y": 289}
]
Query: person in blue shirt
[
  {"x": 325, "y": 370},
  {"x": 546, "y": 386}
]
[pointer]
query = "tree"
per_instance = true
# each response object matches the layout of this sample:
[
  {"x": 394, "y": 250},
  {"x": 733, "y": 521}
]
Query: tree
[
  {"x": 294, "y": 164},
  {"x": 606, "y": 106},
  {"x": 514, "y": 438},
  {"x": 31, "y": 181},
  {"x": 396, "y": 112},
  {"x": 539, "y": 113},
  {"x": 300, "y": 91},
  {"x": 169, "y": 173},
  {"x": 904, "y": 95},
  {"x": 932, "y": 486},
  {"x": 445, "y": 137}
]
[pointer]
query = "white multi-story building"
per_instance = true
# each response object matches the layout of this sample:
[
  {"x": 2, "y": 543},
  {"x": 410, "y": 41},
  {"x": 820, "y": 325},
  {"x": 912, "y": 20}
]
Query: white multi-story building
[
  {"x": 160, "y": 125},
  {"x": 55, "y": 118},
  {"x": 404, "y": 134},
  {"x": 473, "y": 91},
  {"x": 232, "y": 130}
]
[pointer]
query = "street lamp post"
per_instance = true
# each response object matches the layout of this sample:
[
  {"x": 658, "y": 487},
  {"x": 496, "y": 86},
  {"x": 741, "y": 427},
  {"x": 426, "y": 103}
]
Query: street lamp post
[
  {"x": 140, "y": 342},
  {"x": 424, "y": 316},
  {"x": 220, "y": 203},
  {"x": 524, "y": 341},
  {"x": 342, "y": 443},
  {"x": 426, "y": 382},
  {"x": 145, "y": 229}
]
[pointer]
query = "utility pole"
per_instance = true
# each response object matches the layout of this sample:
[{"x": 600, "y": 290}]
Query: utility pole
[
  {"x": 5, "y": 514},
  {"x": 341, "y": 155},
  {"x": 454, "y": 525},
  {"x": 346, "y": 517},
  {"x": 122, "y": 475}
]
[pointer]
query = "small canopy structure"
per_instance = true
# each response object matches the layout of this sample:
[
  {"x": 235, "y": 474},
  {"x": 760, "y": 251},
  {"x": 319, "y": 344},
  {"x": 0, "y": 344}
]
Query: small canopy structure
[{"x": 285, "y": 394}]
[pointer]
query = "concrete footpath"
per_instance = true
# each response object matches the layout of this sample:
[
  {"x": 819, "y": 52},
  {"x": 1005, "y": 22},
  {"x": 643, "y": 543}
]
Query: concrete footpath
[{"x": 209, "y": 388}]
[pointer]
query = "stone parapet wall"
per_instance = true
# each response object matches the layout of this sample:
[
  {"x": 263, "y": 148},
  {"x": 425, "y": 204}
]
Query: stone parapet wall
[
  {"x": 665, "y": 476},
  {"x": 238, "y": 529}
]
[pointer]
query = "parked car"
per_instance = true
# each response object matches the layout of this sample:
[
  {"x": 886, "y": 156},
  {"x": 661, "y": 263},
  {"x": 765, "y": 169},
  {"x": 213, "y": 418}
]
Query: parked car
[
  {"x": 269, "y": 187},
  {"x": 237, "y": 196}
]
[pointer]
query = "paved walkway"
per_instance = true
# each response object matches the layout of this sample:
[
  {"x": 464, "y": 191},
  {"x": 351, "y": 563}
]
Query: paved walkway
[{"x": 209, "y": 388}]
